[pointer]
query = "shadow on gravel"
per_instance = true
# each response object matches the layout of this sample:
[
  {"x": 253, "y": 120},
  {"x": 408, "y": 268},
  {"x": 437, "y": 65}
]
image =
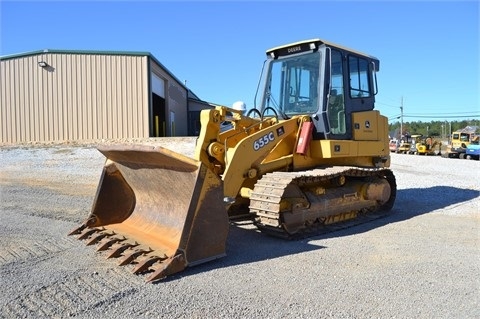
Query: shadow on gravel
[
  {"x": 249, "y": 245},
  {"x": 418, "y": 201},
  {"x": 413, "y": 202},
  {"x": 246, "y": 246}
]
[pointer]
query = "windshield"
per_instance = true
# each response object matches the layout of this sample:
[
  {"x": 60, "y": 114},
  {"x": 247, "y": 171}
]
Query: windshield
[{"x": 293, "y": 84}]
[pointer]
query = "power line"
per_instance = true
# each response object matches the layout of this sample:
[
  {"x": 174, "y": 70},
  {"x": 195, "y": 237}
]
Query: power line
[
  {"x": 443, "y": 116},
  {"x": 389, "y": 105},
  {"x": 394, "y": 116},
  {"x": 437, "y": 115},
  {"x": 471, "y": 116},
  {"x": 443, "y": 113}
]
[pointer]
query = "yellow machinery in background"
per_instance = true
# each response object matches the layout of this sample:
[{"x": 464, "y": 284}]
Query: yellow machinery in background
[
  {"x": 312, "y": 157},
  {"x": 421, "y": 145},
  {"x": 405, "y": 145},
  {"x": 460, "y": 140}
]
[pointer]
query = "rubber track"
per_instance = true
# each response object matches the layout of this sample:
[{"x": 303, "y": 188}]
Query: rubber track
[{"x": 268, "y": 192}]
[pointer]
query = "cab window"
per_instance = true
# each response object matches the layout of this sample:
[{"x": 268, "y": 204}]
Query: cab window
[
  {"x": 359, "y": 77},
  {"x": 293, "y": 86},
  {"x": 336, "y": 102}
]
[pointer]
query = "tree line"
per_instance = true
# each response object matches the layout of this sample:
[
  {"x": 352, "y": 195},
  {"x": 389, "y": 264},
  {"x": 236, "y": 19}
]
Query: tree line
[{"x": 441, "y": 129}]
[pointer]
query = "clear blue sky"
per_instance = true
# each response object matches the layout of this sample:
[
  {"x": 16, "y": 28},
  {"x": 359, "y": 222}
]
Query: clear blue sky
[{"x": 428, "y": 51}]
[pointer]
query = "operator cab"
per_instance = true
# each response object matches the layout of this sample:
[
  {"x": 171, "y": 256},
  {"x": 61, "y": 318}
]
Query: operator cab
[{"x": 320, "y": 79}]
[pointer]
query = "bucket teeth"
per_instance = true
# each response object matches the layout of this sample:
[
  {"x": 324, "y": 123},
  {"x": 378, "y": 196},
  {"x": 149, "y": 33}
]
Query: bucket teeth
[
  {"x": 131, "y": 256},
  {"x": 119, "y": 248},
  {"x": 145, "y": 264},
  {"x": 96, "y": 238},
  {"x": 172, "y": 265},
  {"x": 77, "y": 230},
  {"x": 108, "y": 241},
  {"x": 89, "y": 231},
  {"x": 89, "y": 222}
]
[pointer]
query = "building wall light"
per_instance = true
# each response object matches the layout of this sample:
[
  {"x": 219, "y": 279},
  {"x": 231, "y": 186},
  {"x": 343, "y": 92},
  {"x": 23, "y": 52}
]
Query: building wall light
[{"x": 42, "y": 64}]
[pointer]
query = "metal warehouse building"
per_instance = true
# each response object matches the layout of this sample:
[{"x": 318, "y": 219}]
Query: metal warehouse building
[{"x": 54, "y": 95}]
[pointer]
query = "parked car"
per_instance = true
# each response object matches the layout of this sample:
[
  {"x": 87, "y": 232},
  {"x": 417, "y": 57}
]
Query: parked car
[
  {"x": 393, "y": 145},
  {"x": 473, "y": 150}
]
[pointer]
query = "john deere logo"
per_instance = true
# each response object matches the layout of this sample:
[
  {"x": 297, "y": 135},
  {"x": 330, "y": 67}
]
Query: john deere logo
[
  {"x": 367, "y": 124},
  {"x": 294, "y": 49}
]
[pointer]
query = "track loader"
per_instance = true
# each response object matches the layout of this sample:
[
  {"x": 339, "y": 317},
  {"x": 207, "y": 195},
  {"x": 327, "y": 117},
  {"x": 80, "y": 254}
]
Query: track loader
[{"x": 312, "y": 157}]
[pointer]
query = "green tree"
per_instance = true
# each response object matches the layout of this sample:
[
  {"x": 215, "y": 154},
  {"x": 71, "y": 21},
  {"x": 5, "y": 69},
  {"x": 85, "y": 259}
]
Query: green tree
[{"x": 433, "y": 128}]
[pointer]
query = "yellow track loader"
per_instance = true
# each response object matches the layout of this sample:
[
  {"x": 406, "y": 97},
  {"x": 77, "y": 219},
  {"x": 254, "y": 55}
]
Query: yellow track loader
[{"x": 312, "y": 157}]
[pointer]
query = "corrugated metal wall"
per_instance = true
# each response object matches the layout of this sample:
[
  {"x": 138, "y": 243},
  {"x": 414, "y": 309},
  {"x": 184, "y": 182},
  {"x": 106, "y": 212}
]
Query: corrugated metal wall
[{"x": 76, "y": 97}]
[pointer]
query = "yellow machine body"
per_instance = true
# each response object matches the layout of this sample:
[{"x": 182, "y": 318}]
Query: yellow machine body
[{"x": 294, "y": 172}]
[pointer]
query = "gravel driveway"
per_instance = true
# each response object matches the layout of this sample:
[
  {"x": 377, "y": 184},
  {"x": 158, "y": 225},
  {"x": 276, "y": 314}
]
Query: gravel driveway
[{"x": 423, "y": 261}]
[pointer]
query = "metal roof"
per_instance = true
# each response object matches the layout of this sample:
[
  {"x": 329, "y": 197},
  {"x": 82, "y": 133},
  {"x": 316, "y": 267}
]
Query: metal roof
[{"x": 93, "y": 52}]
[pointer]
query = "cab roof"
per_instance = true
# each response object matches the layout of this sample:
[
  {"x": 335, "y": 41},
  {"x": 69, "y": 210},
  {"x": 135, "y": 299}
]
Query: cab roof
[{"x": 312, "y": 44}]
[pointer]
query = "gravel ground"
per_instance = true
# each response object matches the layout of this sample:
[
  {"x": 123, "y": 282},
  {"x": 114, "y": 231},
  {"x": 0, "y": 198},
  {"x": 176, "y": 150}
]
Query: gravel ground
[{"x": 422, "y": 261}]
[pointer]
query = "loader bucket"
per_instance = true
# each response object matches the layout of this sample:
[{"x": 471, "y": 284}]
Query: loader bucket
[{"x": 157, "y": 209}]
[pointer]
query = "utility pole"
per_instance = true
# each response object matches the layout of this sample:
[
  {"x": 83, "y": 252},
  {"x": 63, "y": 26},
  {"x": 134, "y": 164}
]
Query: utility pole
[
  {"x": 401, "y": 119},
  {"x": 449, "y": 131}
]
